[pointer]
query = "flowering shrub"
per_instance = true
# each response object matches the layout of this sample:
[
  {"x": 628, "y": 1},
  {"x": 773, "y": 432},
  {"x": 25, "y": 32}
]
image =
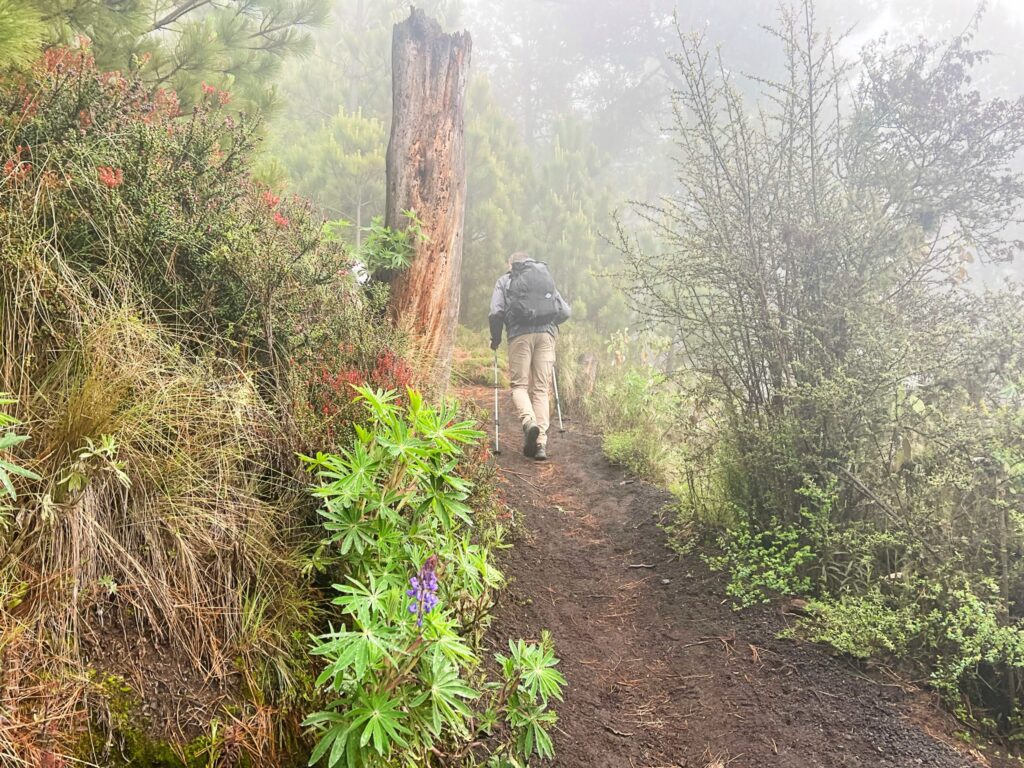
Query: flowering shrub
[
  {"x": 397, "y": 669},
  {"x": 244, "y": 269},
  {"x": 133, "y": 187},
  {"x": 330, "y": 384}
]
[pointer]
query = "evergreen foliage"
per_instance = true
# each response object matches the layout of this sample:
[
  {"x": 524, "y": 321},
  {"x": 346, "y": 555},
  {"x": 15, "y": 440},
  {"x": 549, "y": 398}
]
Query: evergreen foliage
[
  {"x": 500, "y": 179},
  {"x": 341, "y": 163},
  {"x": 238, "y": 47}
]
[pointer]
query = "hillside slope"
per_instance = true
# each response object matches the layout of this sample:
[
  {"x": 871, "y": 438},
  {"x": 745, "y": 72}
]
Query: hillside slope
[{"x": 661, "y": 671}]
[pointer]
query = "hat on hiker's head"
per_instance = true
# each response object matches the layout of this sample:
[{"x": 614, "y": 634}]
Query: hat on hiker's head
[{"x": 517, "y": 257}]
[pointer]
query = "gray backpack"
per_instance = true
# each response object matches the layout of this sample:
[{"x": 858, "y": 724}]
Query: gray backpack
[{"x": 531, "y": 294}]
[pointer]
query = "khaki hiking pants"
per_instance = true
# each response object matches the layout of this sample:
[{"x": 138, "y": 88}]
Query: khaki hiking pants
[{"x": 531, "y": 359}]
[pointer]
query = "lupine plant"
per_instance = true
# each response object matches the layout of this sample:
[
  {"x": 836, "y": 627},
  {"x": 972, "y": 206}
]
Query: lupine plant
[
  {"x": 8, "y": 440},
  {"x": 402, "y": 670}
]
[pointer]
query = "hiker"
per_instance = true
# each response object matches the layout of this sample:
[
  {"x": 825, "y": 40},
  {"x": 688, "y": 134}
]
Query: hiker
[{"x": 526, "y": 302}]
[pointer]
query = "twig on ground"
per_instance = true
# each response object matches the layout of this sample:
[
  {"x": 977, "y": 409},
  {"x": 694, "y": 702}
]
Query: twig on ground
[
  {"x": 699, "y": 642},
  {"x": 618, "y": 733}
]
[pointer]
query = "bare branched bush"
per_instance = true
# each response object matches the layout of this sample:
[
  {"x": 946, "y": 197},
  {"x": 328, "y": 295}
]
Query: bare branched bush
[{"x": 856, "y": 389}]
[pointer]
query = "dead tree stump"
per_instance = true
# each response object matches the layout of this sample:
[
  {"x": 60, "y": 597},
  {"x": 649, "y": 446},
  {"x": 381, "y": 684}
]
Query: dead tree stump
[{"x": 426, "y": 173}]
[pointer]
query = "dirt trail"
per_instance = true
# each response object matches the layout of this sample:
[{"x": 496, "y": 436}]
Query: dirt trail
[{"x": 662, "y": 673}]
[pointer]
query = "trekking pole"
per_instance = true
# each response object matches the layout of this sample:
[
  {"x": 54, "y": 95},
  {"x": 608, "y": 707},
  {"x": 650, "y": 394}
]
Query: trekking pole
[
  {"x": 558, "y": 400},
  {"x": 497, "y": 447}
]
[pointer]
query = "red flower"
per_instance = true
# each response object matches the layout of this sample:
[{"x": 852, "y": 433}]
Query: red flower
[
  {"x": 391, "y": 372},
  {"x": 110, "y": 177},
  {"x": 29, "y": 107},
  {"x": 166, "y": 103},
  {"x": 54, "y": 58},
  {"x": 207, "y": 89},
  {"x": 17, "y": 169},
  {"x": 271, "y": 199},
  {"x": 281, "y": 221}
]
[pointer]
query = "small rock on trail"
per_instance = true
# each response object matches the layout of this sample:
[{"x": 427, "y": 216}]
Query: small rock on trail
[{"x": 662, "y": 673}]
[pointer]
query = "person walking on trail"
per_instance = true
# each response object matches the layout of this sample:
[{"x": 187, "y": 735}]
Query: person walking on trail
[{"x": 527, "y": 304}]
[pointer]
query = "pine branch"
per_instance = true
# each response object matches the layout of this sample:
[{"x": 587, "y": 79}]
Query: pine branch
[{"x": 182, "y": 10}]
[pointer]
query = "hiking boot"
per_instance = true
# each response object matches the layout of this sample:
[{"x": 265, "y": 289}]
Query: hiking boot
[
  {"x": 541, "y": 454},
  {"x": 532, "y": 432}
]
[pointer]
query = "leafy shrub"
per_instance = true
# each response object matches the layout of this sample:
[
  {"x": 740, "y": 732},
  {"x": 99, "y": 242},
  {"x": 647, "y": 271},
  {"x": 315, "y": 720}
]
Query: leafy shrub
[
  {"x": 865, "y": 625},
  {"x": 415, "y": 585},
  {"x": 763, "y": 563},
  {"x": 973, "y": 647},
  {"x": 976, "y": 648}
]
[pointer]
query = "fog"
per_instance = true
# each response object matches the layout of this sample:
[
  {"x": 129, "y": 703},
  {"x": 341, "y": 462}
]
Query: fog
[
  {"x": 579, "y": 90},
  {"x": 610, "y": 61}
]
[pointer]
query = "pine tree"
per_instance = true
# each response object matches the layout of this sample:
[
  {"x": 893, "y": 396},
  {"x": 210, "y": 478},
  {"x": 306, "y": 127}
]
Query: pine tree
[
  {"x": 497, "y": 200},
  {"x": 340, "y": 164},
  {"x": 236, "y": 47},
  {"x": 572, "y": 215}
]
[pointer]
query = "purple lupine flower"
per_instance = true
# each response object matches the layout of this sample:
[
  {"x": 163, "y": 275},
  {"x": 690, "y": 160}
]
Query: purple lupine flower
[{"x": 424, "y": 590}]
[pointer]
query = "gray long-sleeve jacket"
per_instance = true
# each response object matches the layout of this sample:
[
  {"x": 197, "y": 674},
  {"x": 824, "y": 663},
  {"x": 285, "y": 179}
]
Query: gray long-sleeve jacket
[{"x": 499, "y": 318}]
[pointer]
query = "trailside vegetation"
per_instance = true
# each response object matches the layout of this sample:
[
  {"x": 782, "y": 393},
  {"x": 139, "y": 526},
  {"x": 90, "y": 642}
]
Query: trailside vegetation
[
  {"x": 850, "y": 408},
  {"x": 172, "y": 332},
  {"x": 403, "y": 672},
  {"x": 175, "y": 335}
]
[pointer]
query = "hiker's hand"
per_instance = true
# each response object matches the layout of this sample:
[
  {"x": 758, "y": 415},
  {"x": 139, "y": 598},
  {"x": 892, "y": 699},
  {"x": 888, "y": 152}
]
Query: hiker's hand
[{"x": 495, "y": 343}]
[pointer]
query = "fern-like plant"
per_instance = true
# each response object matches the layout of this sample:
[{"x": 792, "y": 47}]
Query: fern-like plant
[
  {"x": 399, "y": 663},
  {"x": 8, "y": 441}
]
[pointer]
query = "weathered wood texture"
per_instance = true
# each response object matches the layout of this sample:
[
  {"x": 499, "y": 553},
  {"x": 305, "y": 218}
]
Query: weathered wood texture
[{"x": 426, "y": 172}]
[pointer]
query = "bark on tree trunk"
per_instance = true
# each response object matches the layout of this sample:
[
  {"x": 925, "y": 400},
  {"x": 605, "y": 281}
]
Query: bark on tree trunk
[{"x": 426, "y": 173}]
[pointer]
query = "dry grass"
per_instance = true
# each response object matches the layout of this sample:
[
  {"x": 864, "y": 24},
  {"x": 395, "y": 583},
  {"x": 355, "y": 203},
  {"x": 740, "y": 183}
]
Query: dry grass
[
  {"x": 715, "y": 760},
  {"x": 172, "y": 519},
  {"x": 159, "y": 511}
]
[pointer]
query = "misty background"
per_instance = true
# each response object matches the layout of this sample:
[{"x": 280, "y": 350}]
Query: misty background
[{"x": 567, "y": 116}]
